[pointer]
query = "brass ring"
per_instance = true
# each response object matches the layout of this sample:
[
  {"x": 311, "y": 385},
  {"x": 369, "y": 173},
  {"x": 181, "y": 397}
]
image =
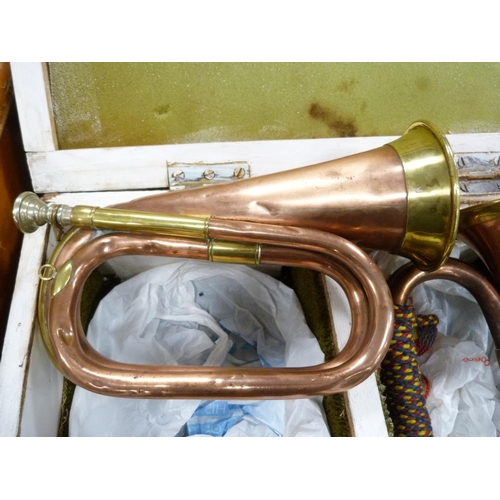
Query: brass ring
[{"x": 47, "y": 272}]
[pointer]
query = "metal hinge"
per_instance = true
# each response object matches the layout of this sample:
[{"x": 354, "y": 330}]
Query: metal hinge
[
  {"x": 187, "y": 175},
  {"x": 478, "y": 174}
]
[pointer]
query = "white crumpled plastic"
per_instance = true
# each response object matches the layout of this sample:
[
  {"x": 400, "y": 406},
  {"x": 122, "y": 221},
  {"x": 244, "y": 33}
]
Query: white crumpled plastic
[
  {"x": 461, "y": 366},
  {"x": 463, "y": 400},
  {"x": 198, "y": 313}
]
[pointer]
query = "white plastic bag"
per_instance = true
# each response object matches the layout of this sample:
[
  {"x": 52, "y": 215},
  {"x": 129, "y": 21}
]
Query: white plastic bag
[
  {"x": 198, "y": 313},
  {"x": 463, "y": 400}
]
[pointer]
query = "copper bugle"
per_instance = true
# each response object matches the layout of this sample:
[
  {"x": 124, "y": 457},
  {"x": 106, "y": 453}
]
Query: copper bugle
[
  {"x": 479, "y": 227},
  {"x": 230, "y": 241},
  {"x": 402, "y": 197},
  {"x": 406, "y": 278}
]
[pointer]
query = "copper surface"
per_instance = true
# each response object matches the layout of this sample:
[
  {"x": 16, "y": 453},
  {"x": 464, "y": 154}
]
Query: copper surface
[
  {"x": 405, "y": 279},
  {"x": 365, "y": 287},
  {"x": 361, "y": 198},
  {"x": 480, "y": 229}
]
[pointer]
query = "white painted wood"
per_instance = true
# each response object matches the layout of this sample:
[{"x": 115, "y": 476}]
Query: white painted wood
[
  {"x": 34, "y": 106},
  {"x": 98, "y": 199},
  {"x": 17, "y": 343},
  {"x": 42, "y": 396},
  {"x": 98, "y": 170},
  {"x": 367, "y": 415},
  {"x": 474, "y": 143},
  {"x": 145, "y": 167},
  {"x": 41, "y": 408}
]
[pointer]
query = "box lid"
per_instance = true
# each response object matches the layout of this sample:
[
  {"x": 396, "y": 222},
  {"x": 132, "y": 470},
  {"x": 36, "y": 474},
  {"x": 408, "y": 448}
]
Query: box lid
[{"x": 154, "y": 167}]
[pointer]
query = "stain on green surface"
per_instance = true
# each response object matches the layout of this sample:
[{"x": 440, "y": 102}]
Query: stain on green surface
[
  {"x": 162, "y": 110},
  {"x": 346, "y": 85},
  {"x": 129, "y": 104},
  {"x": 338, "y": 126},
  {"x": 423, "y": 83}
]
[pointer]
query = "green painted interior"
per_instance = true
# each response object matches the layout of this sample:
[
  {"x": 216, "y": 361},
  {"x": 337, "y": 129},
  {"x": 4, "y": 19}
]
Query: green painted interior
[{"x": 128, "y": 104}]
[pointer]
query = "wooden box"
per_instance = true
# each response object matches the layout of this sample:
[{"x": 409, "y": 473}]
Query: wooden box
[{"x": 30, "y": 386}]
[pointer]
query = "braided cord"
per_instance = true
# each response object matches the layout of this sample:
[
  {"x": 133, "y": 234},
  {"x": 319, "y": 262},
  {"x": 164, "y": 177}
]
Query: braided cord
[{"x": 401, "y": 375}]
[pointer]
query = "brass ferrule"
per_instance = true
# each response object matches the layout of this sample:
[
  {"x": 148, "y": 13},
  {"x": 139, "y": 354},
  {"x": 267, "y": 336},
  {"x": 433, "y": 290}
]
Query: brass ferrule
[{"x": 232, "y": 252}]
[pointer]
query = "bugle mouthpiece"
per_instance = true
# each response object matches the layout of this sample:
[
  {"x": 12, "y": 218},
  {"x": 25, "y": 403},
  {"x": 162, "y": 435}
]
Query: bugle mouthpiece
[{"x": 30, "y": 212}]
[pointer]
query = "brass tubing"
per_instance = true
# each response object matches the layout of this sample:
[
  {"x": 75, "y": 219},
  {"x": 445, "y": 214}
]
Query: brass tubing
[
  {"x": 348, "y": 282},
  {"x": 82, "y": 364},
  {"x": 401, "y": 197},
  {"x": 405, "y": 279},
  {"x": 233, "y": 252},
  {"x": 146, "y": 222}
]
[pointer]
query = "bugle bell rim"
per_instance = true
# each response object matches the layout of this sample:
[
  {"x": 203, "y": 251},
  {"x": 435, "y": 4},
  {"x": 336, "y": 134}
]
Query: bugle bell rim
[{"x": 430, "y": 191}]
